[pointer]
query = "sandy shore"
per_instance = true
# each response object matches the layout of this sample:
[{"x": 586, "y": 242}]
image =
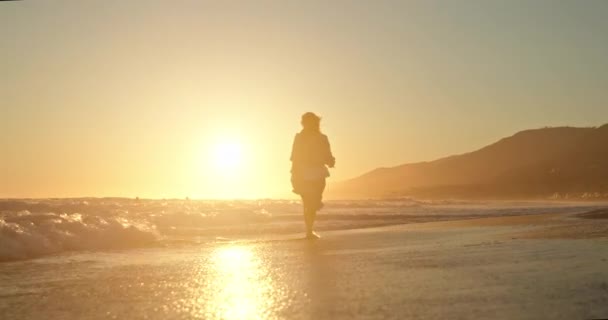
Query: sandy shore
[{"x": 550, "y": 266}]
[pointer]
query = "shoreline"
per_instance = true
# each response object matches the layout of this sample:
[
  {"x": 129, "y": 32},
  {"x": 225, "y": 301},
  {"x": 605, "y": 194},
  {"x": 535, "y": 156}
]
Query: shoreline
[{"x": 515, "y": 267}]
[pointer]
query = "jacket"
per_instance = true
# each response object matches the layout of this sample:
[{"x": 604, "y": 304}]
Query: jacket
[{"x": 310, "y": 156}]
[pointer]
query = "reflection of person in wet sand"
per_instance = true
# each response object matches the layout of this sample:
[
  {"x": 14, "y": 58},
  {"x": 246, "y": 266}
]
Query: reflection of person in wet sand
[{"x": 310, "y": 157}]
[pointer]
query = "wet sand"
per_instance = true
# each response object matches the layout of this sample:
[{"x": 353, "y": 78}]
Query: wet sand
[{"x": 550, "y": 266}]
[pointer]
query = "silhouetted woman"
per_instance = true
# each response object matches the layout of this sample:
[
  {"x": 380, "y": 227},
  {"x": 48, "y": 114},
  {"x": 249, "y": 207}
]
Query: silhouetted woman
[{"x": 310, "y": 157}]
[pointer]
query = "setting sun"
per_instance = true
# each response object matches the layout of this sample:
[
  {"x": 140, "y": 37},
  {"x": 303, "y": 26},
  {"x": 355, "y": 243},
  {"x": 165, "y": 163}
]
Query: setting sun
[
  {"x": 227, "y": 156},
  {"x": 226, "y": 168}
]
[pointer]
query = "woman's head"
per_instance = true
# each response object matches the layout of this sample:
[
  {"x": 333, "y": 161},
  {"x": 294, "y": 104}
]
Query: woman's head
[{"x": 311, "y": 121}]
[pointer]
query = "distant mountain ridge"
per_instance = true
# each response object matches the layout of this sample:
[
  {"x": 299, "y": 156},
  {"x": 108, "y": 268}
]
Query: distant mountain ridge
[{"x": 560, "y": 162}]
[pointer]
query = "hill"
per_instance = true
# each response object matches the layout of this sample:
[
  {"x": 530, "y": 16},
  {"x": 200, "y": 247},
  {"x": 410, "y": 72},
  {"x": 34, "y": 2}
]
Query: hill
[{"x": 562, "y": 162}]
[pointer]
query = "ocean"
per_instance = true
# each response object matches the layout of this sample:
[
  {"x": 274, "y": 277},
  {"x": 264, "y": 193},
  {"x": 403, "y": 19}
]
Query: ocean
[
  {"x": 186, "y": 259},
  {"x": 40, "y": 227}
]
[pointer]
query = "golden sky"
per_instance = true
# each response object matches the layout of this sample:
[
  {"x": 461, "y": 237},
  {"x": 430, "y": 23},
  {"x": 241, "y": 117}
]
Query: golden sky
[{"x": 149, "y": 98}]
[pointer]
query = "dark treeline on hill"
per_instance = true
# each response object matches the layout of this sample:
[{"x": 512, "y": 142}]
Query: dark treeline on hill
[{"x": 558, "y": 163}]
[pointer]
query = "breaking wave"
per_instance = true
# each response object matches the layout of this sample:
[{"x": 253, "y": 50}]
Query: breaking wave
[
  {"x": 27, "y": 235},
  {"x": 34, "y": 228}
]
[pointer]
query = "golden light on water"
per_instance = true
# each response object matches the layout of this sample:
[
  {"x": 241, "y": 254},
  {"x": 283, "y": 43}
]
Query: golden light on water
[{"x": 243, "y": 289}]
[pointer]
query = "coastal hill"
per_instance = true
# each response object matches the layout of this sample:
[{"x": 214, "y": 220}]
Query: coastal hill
[{"x": 559, "y": 163}]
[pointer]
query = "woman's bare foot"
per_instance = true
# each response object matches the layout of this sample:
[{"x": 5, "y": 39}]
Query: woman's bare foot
[{"x": 312, "y": 236}]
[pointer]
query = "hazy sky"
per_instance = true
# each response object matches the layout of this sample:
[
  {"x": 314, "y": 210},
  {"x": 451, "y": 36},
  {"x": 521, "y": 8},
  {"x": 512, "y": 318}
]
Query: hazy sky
[{"x": 127, "y": 98}]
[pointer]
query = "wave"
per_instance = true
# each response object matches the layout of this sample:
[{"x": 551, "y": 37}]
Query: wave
[
  {"x": 32, "y": 228},
  {"x": 26, "y": 235}
]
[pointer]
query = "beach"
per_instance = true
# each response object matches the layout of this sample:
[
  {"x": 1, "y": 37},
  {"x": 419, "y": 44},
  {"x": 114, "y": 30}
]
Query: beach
[
  {"x": 539, "y": 266},
  {"x": 314, "y": 160}
]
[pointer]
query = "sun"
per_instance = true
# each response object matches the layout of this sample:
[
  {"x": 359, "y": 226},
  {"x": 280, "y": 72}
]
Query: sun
[
  {"x": 224, "y": 170},
  {"x": 227, "y": 156}
]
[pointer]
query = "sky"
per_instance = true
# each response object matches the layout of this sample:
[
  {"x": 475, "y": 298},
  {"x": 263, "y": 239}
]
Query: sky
[{"x": 201, "y": 99}]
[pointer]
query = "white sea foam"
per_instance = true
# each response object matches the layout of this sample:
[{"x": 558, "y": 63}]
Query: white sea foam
[
  {"x": 26, "y": 235},
  {"x": 33, "y": 228}
]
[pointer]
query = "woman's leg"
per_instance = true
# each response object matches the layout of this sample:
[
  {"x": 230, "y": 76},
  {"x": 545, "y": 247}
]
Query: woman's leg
[
  {"x": 312, "y": 203},
  {"x": 309, "y": 219}
]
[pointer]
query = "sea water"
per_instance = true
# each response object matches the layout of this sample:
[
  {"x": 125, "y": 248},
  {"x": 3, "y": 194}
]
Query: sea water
[
  {"x": 41, "y": 227},
  {"x": 185, "y": 259}
]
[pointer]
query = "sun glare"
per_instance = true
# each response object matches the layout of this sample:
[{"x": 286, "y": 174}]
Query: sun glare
[
  {"x": 226, "y": 168},
  {"x": 241, "y": 286},
  {"x": 227, "y": 156}
]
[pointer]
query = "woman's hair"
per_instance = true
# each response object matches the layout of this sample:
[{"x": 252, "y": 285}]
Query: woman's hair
[{"x": 311, "y": 121}]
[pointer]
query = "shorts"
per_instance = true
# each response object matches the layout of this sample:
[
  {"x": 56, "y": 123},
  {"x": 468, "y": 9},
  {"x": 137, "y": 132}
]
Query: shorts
[{"x": 311, "y": 192}]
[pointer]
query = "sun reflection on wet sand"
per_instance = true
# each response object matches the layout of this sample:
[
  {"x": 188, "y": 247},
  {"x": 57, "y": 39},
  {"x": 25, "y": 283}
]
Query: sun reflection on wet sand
[{"x": 241, "y": 287}]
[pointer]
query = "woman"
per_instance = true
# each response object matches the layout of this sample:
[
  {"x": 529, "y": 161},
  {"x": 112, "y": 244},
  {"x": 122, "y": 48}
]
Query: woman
[{"x": 310, "y": 157}]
